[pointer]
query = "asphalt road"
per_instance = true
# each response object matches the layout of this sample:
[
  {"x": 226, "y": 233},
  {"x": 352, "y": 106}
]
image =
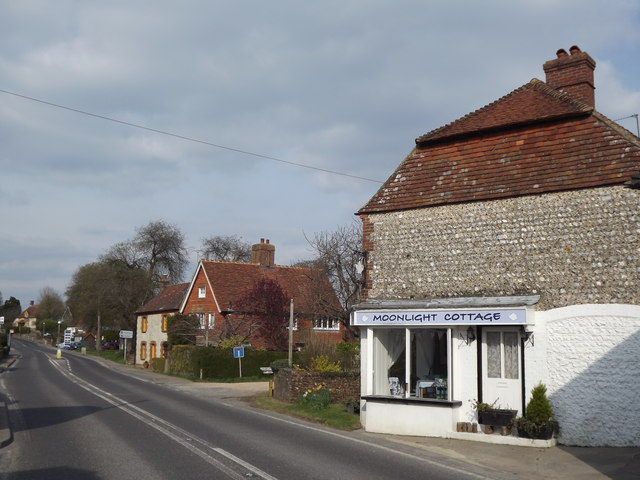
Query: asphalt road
[{"x": 74, "y": 418}]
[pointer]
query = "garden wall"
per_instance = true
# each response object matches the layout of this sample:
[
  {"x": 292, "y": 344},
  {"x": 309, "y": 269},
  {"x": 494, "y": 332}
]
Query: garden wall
[{"x": 289, "y": 384}]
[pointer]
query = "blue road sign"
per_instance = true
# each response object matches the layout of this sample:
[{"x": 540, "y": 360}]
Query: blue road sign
[{"x": 238, "y": 352}]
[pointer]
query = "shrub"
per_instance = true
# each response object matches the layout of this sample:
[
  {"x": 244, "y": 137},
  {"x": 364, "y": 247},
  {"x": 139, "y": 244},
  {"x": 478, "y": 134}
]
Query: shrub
[
  {"x": 279, "y": 364},
  {"x": 539, "y": 421},
  {"x": 539, "y": 408},
  {"x": 349, "y": 355},
  {"x": 316, "y": 398},
  {"x": 321, "y": 363},
  {"x": 316, "y": 347}
]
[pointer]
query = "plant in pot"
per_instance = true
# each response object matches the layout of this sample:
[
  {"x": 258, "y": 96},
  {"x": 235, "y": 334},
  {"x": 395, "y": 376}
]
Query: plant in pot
[
  {"x": 538, "y": 422},
  {"x": 488, "y": 414}
]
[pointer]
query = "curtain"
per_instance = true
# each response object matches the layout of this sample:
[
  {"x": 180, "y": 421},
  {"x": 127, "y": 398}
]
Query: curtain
[
  {"x": 389, "y": 345},
  {"x": 425, "y": 352}
]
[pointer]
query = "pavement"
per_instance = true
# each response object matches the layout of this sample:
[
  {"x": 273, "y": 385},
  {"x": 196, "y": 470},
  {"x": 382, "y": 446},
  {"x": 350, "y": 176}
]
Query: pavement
[{"x": 485, "y": 459}]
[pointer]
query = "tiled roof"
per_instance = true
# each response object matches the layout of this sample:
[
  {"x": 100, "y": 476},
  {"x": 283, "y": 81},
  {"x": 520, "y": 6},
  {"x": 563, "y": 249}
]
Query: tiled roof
[
  {"x": 167, "y": 300},
  {"x": 231, "y": 280},
  {"x": 533, "y": 140}
]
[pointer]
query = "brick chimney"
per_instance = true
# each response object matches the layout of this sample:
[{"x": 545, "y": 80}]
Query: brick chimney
[
  {"x": 164, "y": 281},
  {"x": 263, "y": 253},
  {"x": 573, "y": 74}
]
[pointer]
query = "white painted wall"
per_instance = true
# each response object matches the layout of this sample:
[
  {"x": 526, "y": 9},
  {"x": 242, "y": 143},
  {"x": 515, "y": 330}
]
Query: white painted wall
[{"x": 588, "y": 356}]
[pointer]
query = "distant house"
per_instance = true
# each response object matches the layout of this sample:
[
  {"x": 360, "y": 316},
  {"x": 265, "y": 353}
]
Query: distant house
[
  {"x": 28, "y": 318},
  {"x": 217, "y": 289},
  {"x": 504, "y": 251},
  {"x": 151, "y": 324}
]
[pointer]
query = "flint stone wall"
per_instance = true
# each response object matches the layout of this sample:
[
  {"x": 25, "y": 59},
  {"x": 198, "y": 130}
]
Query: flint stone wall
[{"x": 570, "y": 247}]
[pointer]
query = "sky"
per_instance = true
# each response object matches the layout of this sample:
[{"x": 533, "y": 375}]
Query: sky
[{"x": 274, "y": 120}]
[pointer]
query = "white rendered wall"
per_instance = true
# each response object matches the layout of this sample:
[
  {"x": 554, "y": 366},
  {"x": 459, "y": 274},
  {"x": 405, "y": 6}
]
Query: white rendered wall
[{"x": 589, "y": 358}]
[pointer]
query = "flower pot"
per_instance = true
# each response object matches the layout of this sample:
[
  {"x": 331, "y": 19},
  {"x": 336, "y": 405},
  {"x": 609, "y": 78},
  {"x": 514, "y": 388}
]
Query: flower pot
[{"x": 497, "y": 417}]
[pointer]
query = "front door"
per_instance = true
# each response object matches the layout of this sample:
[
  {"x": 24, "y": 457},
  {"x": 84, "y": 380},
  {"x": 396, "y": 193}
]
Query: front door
[{"x": 501, "y": 370}]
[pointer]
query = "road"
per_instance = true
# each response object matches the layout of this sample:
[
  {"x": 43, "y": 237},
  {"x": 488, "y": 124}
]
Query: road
[{"x": 75, "y": 418}]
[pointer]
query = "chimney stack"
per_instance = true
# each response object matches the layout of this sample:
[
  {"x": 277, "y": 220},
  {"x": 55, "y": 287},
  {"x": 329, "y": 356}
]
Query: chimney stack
[
  {"x": 263, "y": 253},
  {"x": 164, "y": 281},
  {"x": 572, "y": 73}
]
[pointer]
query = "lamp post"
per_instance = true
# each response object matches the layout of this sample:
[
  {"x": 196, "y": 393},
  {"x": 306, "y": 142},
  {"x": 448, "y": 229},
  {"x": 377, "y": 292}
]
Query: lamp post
[
  {"x": 43, "y": 332},
  {"x": 59, "y": 323}
]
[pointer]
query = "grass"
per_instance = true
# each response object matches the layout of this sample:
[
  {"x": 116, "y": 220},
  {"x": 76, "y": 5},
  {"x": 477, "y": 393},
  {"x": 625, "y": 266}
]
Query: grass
[
  {"x": 334, "y": 415},
  {"x": 113, "y": 355}
]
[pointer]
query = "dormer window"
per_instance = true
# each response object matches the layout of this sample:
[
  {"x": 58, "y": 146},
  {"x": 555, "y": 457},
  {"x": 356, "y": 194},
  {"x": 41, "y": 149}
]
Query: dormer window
[{"x": 202, "y": 292}]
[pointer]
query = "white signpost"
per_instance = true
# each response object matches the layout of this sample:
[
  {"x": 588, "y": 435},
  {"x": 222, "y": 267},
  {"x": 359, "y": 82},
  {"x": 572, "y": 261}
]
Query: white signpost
[{"x": 124, "y": 334}]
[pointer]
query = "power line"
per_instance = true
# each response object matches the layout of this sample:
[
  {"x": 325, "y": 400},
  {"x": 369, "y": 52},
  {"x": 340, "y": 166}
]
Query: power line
[{"x": 189, "y": 139}]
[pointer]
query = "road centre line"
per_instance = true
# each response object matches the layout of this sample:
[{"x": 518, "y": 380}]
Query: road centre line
[{"x": 170, "y": 430}]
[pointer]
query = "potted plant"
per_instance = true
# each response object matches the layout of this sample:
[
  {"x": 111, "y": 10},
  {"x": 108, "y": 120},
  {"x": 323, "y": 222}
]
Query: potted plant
[
  {"x": 538, "y": 422},
  {"x": 496, "y": 417}
]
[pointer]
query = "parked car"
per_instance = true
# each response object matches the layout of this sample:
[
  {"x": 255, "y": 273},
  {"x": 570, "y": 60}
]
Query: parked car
[
  {"x": 64, "y": 346},
  {"x": 110, "y": 346}
]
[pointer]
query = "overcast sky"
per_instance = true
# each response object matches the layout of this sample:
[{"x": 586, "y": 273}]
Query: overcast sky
[{"x": 343, "y": 86}]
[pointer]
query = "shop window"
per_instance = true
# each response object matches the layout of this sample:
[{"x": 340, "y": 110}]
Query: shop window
[
  {"x": 144, "y": 324},
  {"x": 423, "y": 370},
  {"x": 164, "y": 323},
  {"x": 202, "y": 292},
  {"x": 143, "y": 350}
]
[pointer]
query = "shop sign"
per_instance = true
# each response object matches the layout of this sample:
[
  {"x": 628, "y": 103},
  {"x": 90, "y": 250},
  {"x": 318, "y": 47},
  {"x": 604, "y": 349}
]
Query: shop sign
[{"x": 439, "y": 318}]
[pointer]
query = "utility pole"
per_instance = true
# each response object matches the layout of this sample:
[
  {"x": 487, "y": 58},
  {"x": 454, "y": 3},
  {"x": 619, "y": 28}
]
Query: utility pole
[{"x": 291, "y": 334}]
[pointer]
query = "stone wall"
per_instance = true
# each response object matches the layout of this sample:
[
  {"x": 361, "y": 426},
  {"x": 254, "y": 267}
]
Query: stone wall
[
  {"x": 570, "y": 247},
  {"x": 289, "y": 384}
]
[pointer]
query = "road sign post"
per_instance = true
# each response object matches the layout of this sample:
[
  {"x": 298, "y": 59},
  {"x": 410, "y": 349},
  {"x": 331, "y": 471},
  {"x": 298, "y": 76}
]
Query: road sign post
[
  {"x": 238, "y": 352},
  {"x": 124, "y": 334}
]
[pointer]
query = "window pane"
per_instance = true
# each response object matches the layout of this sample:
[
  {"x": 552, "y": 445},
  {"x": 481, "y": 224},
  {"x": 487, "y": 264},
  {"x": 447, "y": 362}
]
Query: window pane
[
  {"x": 388, "y": 359},
  {"x": 511, "y": 355},
  {"x": 494, "y": 360}
]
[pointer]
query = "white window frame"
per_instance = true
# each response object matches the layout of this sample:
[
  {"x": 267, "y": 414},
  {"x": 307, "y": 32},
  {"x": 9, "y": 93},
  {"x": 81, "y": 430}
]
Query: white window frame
[
  {"x": 202, "y": 292},
  {"x": 326, "y": 324}
]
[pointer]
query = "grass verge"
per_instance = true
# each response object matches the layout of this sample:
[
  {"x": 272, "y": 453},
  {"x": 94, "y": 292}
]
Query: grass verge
[
  {"x": 113, "y": 355},
  {"x": 334, "y": 415}
]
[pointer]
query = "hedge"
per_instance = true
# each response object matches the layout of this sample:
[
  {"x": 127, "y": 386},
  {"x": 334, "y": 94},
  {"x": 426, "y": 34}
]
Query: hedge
[{"x": 219, "y": 363}]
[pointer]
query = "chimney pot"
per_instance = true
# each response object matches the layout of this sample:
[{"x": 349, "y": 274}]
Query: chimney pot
[
  {"x": 575, "y": 49},
  {"x": 561, "y": 53}
]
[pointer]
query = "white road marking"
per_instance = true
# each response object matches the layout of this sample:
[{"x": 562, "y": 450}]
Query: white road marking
[{"x": 191, "y": 442}]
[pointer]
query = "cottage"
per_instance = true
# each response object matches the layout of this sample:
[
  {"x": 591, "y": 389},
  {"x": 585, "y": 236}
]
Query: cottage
[
  {"x": 28, "y": 318},
  {"x": 151, "y": 324},
  {"x": 504, "y": 252},
  {"x": 218, "y": 295}
]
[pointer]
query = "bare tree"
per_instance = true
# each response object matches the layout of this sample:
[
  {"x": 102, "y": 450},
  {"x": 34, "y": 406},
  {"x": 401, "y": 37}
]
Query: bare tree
[
  {"x": 158, "y": 248},
  {"x": 339, "y": 254},
  {"x": 226, "y": 249},
  {"x": 50, "y": 304}
]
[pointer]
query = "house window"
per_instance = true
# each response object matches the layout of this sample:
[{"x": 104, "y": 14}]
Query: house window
[
  {"x": 413, "y": 361},
  {"x": 202, "y": 292},
  {"x": 212, "y": 321},
  {"x": 202, "y": 317},
  {"x": 326, "y": 323},
  {"x": 144, "y": 324},
  {"x": 164, "y": 323},
  {"x": 152, "y": 352},
  {"x": 143, "y": 350}
]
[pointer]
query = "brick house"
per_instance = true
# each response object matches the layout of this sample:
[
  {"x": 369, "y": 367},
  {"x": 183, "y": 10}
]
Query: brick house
[
  {"x": 504, "y": 251},
  {"x": 217, "y": 288},
  {"x": 151, "y": 324}
]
